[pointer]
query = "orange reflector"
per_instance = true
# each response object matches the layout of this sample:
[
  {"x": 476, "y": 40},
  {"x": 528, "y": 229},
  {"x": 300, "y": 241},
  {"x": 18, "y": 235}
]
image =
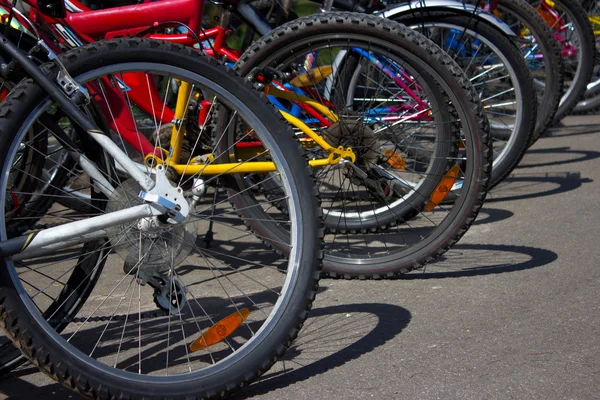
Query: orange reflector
[
  {"x": 220, "y": 330},
  {"x": 395, "y": 159},
  {"x": 549, "y": 18},
  {"x": 312, "y": 76},
  {"x": 443, "y": 188}
]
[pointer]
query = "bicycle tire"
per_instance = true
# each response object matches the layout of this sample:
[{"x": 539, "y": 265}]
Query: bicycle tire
[
  {"x": 552, "y": 66},
  {"x": 591, "y": 100},
  {"x": 520, "y": 137},
  {"x": 288, "y": 38},
  {"x": 81, "y": 373},
  {"x": 580, "y": 77}
]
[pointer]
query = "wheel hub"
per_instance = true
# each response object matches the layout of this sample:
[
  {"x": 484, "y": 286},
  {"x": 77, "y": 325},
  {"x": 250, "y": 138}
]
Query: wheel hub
[
  {"x": 358, "y": 136},
  {"x": 153, "y": 245},
  {"x": 365, "y": 171}
]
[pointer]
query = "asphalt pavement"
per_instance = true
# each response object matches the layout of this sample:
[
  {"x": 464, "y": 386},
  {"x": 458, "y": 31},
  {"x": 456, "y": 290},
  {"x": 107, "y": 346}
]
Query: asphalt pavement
[{"x": 512, "y": 311}]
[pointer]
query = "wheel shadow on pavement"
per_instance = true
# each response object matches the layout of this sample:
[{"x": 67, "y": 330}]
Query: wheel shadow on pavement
[
  {"x": 331, "y": 337},
  {"x": 488, "y": 215},
  {"x": 547, "y": 157},
  {"x": 14, "y": 386},
  {"x": 531, "y": 186},
  {"x": 562, "y": 130},
  {"x": 465, "y": 260}
]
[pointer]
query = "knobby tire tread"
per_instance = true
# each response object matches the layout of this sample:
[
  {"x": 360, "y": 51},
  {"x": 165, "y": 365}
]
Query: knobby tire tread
[
  {"x": 17, "y": 323},
  {"x": 400, "y": 31}
]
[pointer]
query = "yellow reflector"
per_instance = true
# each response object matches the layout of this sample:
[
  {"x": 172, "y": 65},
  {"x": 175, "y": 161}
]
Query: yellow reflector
[
  {"x": 395, "y": 159},
  {"x": 220, "y": 330},
  {"x": 307, "y": 142},
  {"x": 312, "y": 76},
  {"x": 524, "y": 32},
  {"x": 443, "y": 188}
]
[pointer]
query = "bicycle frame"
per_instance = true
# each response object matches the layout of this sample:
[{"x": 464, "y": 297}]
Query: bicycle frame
[
  {"x": 66, "y": 233},
  {"x": 595, "y": 21},
  {"x": 83, "y": 25},
  {"x": 155, "y": 193}
]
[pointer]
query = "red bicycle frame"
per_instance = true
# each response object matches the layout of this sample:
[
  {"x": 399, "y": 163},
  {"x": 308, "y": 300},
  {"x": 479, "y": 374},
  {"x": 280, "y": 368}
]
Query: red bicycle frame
[{"x": 83, "y": 25}]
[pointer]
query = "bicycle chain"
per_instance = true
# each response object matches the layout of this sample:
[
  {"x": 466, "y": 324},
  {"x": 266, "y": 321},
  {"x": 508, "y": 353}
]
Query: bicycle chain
[
  {"x": 144, "y": 315},
  {"x": 122, "y": 317}
]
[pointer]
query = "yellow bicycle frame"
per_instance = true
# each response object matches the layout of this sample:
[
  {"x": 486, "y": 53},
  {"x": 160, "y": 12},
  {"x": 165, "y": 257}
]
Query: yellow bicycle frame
[
  {"x": 248, "y": 166},
  {"x": 595, "y": 21}
]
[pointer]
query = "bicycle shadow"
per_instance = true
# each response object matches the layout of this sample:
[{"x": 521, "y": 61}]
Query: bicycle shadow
[
  {"x": 331, "y": 337},
  {"x": 488, "y": 215},
  {"x": 565, "y": 155},
  {"x": 535, "y": 185},
  {"x": 572, "y": 132},
  {"x": 465, "y": 260},
  {"x": 562, "y": 130}
]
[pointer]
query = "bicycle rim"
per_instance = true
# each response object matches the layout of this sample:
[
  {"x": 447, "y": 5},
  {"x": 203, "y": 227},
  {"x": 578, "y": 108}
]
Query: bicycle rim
[
  {"x": 163, "y": 292},
  {"x": 369, "y": 234}
]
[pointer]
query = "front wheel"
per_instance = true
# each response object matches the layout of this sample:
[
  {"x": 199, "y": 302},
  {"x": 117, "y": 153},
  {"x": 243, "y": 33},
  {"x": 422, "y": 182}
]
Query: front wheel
[
  {"x": 498, "y": 73},
  {"x": 571, "y": 27},
  {"x": 387, "y": 92},
  {"x": 203, "y": 307}
]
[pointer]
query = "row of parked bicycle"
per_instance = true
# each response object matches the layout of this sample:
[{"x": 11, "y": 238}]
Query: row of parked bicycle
[{"x": 167, "y": 221}]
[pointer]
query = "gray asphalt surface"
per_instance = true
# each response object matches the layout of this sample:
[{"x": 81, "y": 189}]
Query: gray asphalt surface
[{"x": 511, "y": 312}]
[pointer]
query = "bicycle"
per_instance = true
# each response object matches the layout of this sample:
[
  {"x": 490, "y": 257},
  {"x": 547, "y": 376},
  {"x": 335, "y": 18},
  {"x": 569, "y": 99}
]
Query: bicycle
[
  {"x": 474, "y": 164},
  {"x": 591, "y": 100},
  {"x": 399, "y": 194},
  {"x": 572, "y": 29},
  {"x": 217, "y": 332}
]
